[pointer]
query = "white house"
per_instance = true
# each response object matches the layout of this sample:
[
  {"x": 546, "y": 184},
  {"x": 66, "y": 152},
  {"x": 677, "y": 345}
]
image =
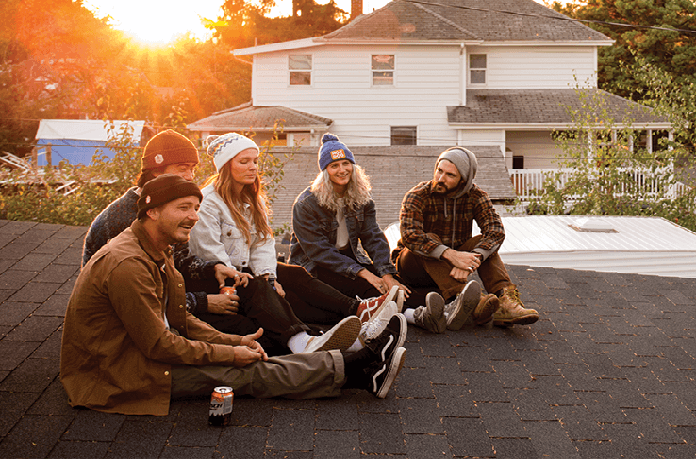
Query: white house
[{"x": 476, "y": 73}]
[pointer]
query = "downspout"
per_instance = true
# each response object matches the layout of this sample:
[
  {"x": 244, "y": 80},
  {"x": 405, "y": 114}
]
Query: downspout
[{"x": 462, "y": 75}]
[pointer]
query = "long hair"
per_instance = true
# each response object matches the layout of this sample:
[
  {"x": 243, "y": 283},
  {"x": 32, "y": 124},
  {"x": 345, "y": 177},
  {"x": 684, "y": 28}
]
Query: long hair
[
  {"x": 357, "y": 192},
  {"x": 253, "y": 194}
]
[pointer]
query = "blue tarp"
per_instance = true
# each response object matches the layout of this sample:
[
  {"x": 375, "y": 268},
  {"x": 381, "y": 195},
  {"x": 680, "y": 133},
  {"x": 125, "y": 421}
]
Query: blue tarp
[{"x": 73, "y": 151}]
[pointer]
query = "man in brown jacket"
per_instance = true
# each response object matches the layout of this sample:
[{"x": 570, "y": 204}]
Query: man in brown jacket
[{"x": 129, "y": 345}]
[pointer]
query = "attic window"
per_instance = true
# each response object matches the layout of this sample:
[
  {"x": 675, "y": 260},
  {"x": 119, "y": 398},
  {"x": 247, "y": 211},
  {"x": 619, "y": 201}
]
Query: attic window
[
  {"x": 477, "y": 68},
  {"x": 300, "y": 66},
  {"x": 382, "y": 69}
]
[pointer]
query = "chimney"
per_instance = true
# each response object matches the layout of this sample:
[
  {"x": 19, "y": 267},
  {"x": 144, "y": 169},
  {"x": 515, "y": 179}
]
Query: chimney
[{"x": 356, "y": 8}]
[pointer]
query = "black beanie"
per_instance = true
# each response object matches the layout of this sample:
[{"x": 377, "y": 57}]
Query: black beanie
[{"x": 163, "y": 189}]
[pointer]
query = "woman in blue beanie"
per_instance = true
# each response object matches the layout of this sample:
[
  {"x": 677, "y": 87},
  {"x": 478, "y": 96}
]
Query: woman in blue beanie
[{"x": 334, "y": 223}]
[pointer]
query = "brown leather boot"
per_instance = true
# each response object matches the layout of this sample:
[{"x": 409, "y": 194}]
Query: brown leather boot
[
  {"x": 487, "y": 306},
  {"x": 512, "y": 310}
]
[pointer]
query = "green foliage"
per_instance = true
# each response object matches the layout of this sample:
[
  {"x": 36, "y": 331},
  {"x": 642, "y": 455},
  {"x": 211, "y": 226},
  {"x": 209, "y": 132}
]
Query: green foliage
[
  {"x": 599, "y": 175},
  {"x": 673, "y": 52}
]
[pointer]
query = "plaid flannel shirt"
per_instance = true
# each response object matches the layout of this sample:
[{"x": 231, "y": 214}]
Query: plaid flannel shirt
[{"x": 451, "y": 219}]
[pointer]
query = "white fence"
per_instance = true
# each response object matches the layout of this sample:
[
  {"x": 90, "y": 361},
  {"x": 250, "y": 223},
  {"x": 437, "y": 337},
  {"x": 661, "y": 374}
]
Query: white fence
[{"x": 526, "y": 181}]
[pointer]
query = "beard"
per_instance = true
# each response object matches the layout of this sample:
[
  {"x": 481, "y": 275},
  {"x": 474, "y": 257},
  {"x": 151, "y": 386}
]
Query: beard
[{"x": 442, "y": 189}]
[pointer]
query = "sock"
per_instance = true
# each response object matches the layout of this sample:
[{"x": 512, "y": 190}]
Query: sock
[
  {"x": 408, "y": 313},
  {"x": 356, "y": 346},
  {"x": 298, "y": 343}
]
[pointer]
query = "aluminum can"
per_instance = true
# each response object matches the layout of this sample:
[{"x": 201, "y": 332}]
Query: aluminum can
[
  {"x": 228, "y": 290},
  {"x": 221, "y": 403}
]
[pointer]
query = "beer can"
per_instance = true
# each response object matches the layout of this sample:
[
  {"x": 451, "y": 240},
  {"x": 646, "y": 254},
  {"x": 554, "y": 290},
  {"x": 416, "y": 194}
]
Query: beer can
[
  {"x": 221, "y": 402},
  {"x": 228, "y": 290}
]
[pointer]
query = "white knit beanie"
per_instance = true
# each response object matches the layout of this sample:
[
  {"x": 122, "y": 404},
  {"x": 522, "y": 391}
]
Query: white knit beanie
[{"x": 225, "y": 147}]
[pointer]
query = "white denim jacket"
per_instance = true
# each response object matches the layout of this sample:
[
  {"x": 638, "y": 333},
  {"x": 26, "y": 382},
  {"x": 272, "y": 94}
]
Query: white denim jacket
[{"x": 216, "y": 237}]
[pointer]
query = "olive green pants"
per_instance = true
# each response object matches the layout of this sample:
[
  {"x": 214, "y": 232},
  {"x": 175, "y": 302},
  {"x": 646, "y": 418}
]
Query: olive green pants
[{"x": 296, "y": 376}]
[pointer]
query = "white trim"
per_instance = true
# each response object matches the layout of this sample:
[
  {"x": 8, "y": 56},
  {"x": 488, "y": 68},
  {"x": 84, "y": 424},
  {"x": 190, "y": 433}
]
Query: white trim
[
  {"x": 537, "y": 126},
  {"x": 319, "y": 41}
]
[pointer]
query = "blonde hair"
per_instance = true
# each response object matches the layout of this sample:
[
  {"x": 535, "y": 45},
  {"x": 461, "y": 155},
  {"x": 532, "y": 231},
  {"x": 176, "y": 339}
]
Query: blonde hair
[
  {"x": 357, "y": 192},
  {"x": 253, "y": 194}
]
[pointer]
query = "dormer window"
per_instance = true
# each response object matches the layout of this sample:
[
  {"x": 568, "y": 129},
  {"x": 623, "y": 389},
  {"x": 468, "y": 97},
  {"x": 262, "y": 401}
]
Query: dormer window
[
  {"x": 382, "y": 69},
  {"x": 300, "y": 66},
  {"x": 477, "y": 68}
]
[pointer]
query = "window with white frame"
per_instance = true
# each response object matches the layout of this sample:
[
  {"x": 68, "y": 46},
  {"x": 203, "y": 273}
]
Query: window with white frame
[
  {"x": 404, "y": 135},
  {"x": 477, "y": 68},
  {"x": 300, "y": 66},
  {"x": 382, "y": 69}
]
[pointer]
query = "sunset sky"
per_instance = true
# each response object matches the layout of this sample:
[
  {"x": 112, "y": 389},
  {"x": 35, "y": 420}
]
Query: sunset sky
[{"x": 158, "y": 21}]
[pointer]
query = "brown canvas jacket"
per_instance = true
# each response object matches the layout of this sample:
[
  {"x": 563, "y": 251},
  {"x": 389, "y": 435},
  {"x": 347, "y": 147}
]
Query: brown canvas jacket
[{"x": 116, "y": 351}]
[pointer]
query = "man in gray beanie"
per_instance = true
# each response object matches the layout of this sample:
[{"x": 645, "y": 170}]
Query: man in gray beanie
[{"x": 437, "y": 249}]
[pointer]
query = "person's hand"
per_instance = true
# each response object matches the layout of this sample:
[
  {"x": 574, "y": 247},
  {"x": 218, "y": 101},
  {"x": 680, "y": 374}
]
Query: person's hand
[
  {"x": 468, "y": 261},
  {"x": 223, "y": 272},
  {"x": 376, "y": 281},
  {"x": 279, "y": 288},
  {"x": 223, "y": 304},
  {"x": 249, "y": 350},
  {"x": 460, "y": 274},
  {"x": 390, "y": 282}
]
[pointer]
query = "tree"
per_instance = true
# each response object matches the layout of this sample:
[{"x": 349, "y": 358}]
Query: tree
[
  {"x": 600, "y": 175},
  {"x": 246, "y": 24},
  {"x": 673, "y": 52}
]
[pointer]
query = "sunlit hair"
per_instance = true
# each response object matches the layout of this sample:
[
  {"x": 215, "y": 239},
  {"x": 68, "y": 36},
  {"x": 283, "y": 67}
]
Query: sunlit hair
[
  {"x": 252, "y": 194},
  {"x": 357, "y": 192}
]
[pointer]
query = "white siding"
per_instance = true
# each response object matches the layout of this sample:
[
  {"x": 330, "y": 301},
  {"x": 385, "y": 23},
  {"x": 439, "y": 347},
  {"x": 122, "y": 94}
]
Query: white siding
[
  {"x": 426, "y": 81},
  {"x": 537, "y": 147},
  {"x": 482, "y": 137},
  {"x": 538, "y": 67}
]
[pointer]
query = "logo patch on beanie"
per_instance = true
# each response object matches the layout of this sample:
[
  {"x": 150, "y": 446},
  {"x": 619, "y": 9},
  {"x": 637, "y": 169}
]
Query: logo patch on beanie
[
  {"x": 148, "y": 199},
  {"x": 159, "y": 159},
  {"x": 337, "y": 154}
]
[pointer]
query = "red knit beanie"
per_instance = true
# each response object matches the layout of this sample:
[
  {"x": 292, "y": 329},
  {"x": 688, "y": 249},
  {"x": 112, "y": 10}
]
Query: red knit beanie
[{"x": 168, "y": 147}]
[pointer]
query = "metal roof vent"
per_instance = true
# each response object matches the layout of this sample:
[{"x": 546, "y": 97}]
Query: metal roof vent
[{"x": 592, "y": 225}]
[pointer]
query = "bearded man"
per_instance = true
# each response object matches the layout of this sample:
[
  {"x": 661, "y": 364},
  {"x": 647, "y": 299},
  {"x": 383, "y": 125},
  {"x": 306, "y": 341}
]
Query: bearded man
[{"x": 437, "y": 249}]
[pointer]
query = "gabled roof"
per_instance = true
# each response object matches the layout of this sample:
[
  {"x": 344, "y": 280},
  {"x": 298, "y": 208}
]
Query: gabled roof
[
  {"x": 486, "y": 20},
  {"x": 453, "y": 21},
  {"x": 547, "y": 107},
  {"x": 245, "y": 117}
]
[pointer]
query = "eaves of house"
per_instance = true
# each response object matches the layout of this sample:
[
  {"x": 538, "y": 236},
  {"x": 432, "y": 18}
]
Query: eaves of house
[
  {"x": 512, "y": 109},
  {"x": 247, "y": 117}
]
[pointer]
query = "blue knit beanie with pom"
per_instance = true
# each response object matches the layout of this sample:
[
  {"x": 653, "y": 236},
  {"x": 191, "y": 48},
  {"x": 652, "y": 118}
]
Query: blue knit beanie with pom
[{"x": 332, "y": 150}]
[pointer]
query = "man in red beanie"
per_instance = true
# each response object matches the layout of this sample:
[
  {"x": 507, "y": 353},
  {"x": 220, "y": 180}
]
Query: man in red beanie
[{"x": 166, "y": 153}]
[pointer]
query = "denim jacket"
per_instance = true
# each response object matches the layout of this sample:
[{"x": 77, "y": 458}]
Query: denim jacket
[{"x": 315, "y": 229}]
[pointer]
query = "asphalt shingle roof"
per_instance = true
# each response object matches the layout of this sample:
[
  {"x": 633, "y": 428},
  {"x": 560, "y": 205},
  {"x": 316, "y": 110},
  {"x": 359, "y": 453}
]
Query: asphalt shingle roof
[
  {"x": 487, "y": 20},
  {"x": 247, "y": 117},
  {"x": 608, "y": 371},
  {"x": 545, "y": 106},
  {"x": 393, "y": 171}
]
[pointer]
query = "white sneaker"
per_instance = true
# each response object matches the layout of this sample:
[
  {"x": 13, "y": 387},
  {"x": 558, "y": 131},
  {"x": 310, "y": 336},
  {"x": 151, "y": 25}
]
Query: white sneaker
[
  {"x": 400, "y": 299},
  {"x": 340, "y": 337},
  {"x": 376, "y": 325},
  {"x": 459, "y": 310}
]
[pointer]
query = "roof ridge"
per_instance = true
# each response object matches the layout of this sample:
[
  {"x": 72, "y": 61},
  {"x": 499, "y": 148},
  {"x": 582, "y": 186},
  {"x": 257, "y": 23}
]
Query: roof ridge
[{"x": 444, "y": 19}]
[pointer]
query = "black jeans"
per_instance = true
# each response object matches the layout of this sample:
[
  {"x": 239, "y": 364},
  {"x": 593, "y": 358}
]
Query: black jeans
[
  {"x": 259, "y": 306},
  {"x": 312, "y": 300}
]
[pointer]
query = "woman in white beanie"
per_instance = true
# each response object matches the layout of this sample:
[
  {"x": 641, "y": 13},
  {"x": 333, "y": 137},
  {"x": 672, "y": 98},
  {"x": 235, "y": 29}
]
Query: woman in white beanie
[{"x": 233, "y": 228}]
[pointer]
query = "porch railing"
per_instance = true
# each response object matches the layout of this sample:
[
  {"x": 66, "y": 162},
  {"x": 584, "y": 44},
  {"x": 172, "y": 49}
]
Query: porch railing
[{"x": 527, "y": 181}]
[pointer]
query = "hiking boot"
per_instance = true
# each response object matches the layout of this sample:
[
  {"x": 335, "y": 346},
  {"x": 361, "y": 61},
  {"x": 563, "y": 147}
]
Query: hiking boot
[
  {"x": 383, "y": 374},
  {"x": 432, "y": 315},
  {"x": 459, "y": 310},
  {"x": 376, "y": 325},
  {"x": 372, "y": 306},
  {"x": 487, "y": 306},
  {"x": 512, "y": 311},
  {"x": 391, "y": 338},
  {"x": 340, "y": 337}
]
